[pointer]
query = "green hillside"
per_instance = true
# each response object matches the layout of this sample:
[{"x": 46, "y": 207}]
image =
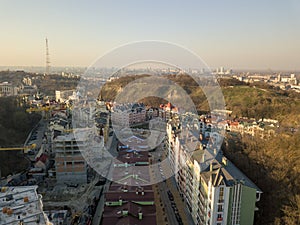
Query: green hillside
[
  {"x": 244, "y": 100},
  {"x": 15, "y": 125}
]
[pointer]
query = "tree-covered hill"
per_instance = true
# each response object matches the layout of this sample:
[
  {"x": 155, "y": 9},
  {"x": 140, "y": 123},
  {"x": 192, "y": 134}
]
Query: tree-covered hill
[
  {"x": 15, "y": 125},
  {"x": 253, "y": 101}
]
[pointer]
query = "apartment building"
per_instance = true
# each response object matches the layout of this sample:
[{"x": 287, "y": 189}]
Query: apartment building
[
  {"x": 8, "y": 89},
  {"x": 129, "y": 205},
  {"x": 22, "y": 205},
  {"x": 70, "y": 165},
  {"x": 130, "y": 198},
  {"x": 128, "y": 114},
  {"x": 214, "y": 191}
]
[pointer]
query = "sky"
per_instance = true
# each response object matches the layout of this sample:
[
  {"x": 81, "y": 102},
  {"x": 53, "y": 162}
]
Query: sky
[{"x": 249, "y": 34}]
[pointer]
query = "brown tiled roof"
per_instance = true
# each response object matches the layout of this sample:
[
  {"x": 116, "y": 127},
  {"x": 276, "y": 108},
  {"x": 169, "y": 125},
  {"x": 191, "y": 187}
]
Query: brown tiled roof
[
  {"x": 114, "y": 214},
  {"x": 118, "y": 187},
  {"x": 133, "y": 175},
  {"x": 43, "y": 158},
  {"x": 129, "y": 196},
  {"x": 133, "y": 157},
  {"x": 151, "y": 220}
]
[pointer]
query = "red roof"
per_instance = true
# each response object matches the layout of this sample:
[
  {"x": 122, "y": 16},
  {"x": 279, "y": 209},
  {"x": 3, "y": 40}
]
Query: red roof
[
  {"x": 43, "y": 158},
  {"x": 114, "y": 214},
  {"x": 234, "y": 123}
]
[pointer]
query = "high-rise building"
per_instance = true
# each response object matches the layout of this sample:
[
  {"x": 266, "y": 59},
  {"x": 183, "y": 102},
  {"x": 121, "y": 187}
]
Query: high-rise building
[{"x": 216, "y": 194}]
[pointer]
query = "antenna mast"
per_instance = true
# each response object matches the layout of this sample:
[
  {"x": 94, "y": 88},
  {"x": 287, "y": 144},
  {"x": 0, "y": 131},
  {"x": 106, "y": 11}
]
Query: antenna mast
[{"x": 47, "y": 58}]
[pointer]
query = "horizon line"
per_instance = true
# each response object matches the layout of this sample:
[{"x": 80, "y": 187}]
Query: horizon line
[{"x": 232, "y": 68}]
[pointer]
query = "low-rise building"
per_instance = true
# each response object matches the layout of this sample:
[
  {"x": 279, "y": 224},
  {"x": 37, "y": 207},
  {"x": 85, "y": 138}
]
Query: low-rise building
[
  {"x": 128, "y": 114},
  {"x": 57, "y": 217},
  {"x": 8, "y": 89},
  {"x": 70, "y": 165},
  {"x": 130, "y": 198}
]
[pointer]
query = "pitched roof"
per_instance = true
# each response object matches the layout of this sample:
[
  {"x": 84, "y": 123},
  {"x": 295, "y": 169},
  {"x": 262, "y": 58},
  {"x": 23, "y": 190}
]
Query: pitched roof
[
  {"x": 128, "y": 213},
  {"x": 43, "y": 158}
]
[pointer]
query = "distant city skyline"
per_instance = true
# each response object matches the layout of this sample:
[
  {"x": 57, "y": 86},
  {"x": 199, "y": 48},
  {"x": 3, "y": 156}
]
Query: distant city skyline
[{"x": 258, "y": 35}]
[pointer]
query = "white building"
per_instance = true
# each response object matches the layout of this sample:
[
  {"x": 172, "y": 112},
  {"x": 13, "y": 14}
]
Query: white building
[
  {"x": 215, "y": 192},
  {"x": 27, "y": 81},
  {"x": 128, "y": 114},
  {"x": 7, "y": 89},
  {"x": 21, "y": 206}
]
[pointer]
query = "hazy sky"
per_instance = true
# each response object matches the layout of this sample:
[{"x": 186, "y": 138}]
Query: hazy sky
[{"x": 254, "y": 34}]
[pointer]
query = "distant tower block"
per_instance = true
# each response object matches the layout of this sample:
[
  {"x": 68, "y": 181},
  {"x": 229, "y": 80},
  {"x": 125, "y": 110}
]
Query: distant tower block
[{"x": 47, "y": 58}]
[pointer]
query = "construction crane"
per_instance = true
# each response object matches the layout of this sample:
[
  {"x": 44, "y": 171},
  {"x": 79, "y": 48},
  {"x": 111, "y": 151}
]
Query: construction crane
[
  {"x": 68, "y": 130},
  {"x": 46, "y": 108},
  {"x": 24, "y": 148},
  {"x": 40, "y": 109}
]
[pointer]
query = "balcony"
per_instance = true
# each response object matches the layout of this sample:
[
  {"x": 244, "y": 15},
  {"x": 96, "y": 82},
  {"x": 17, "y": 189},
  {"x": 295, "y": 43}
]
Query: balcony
[
  {"x": 201, "y": 203},
  {"x": 221, "y": 201},
  {"x": 201, "y": 210},
  {"x": 201, "y": 194}
]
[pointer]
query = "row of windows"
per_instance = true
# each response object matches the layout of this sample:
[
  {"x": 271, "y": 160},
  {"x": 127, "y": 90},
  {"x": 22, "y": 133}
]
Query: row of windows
[{"x": 76, "y": 163}]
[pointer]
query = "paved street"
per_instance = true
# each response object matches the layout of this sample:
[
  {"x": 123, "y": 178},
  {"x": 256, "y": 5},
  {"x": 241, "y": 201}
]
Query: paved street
[
  {"x": 100, "y": 206},
  {"x": 36, "y": 137},
  {"x": 163, "y": 171},
  {"x": 185, "y": 215},
  {"x": 167, "y": 203},
  {"x": 111, "y": 146}
]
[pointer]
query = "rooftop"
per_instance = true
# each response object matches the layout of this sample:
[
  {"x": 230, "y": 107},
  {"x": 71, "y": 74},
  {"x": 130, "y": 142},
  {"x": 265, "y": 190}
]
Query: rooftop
[
  {"x": 76, "y": 135},
  {"x": 129, "y": 213},
  {"x": 21, "y": 204},
  {"x": 223, "y": 169},
  {"x": 137, "y": 195},
  {"x": 132, "y": 157},
  {"x": 132, "y": 175}
]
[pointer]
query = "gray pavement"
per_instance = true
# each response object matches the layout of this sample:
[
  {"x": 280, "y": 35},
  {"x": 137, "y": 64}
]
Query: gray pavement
[
  {"x": 38, "y": 131},
  {"x": 100, "y": 207},
  {"x": 111, "y": 146},
  {"x": 167, "y": 203}
]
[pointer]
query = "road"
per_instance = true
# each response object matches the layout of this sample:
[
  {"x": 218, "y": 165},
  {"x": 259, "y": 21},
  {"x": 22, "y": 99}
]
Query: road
[
  {"x": 187, "y": 218},
  {"x": 162, "y": 172},
  {"x": 111, "y": 146},
  {"x": 36, "y": 137},
  {"x": 100, "y": 207},
  {"x": 167, "y": 203}
]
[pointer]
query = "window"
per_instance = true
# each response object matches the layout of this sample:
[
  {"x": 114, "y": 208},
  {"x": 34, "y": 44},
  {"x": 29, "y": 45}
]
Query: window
[
  {"x": 79, "y": 163},
  {"x": 219, "y": 218},
  {"x": 220, "y": 208},
  {"x": 221, "y": 195}
]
